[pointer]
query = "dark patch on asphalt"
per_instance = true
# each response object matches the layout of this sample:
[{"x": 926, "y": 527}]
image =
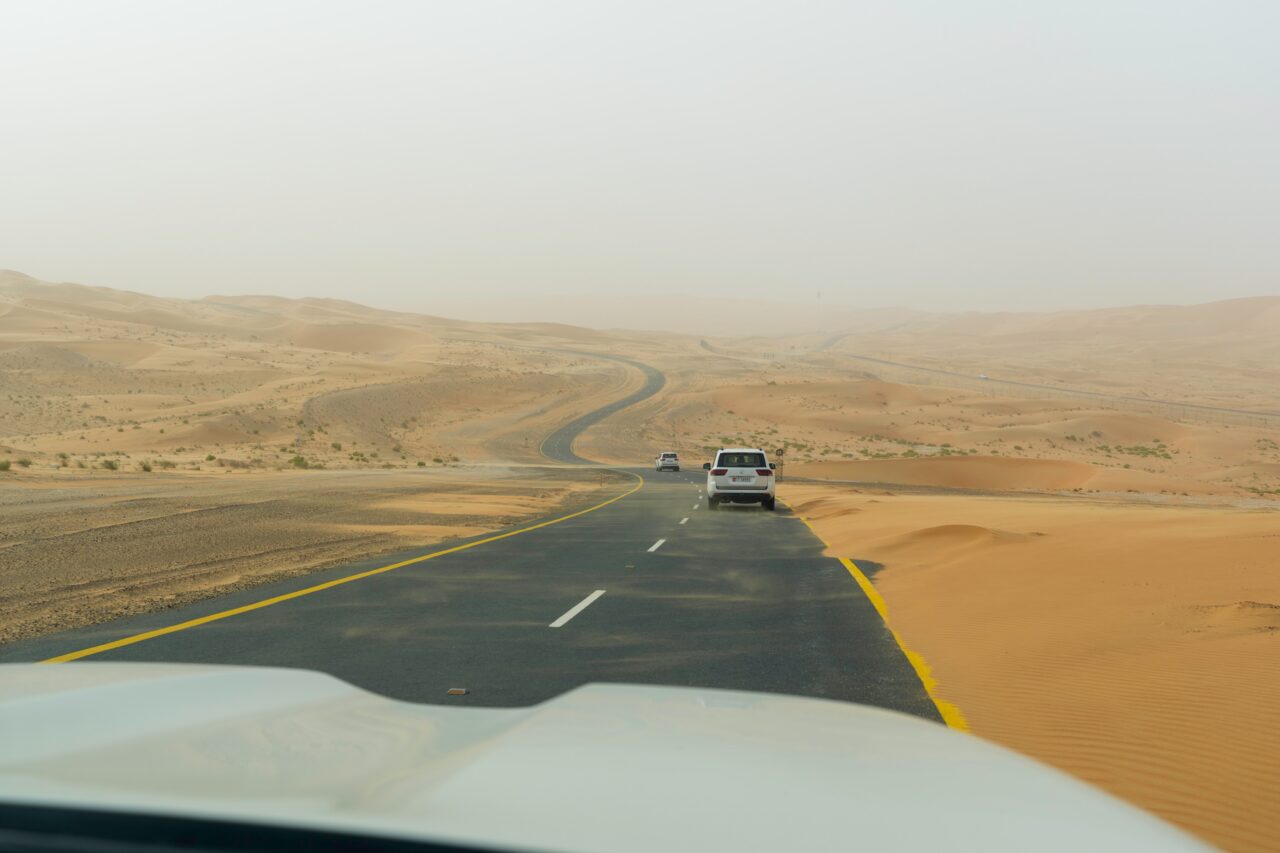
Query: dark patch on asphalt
[{"x": 870, "y": 568}]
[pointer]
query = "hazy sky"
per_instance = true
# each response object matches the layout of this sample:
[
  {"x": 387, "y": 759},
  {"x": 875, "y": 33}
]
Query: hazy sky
[{"x": 940, "y": 154}]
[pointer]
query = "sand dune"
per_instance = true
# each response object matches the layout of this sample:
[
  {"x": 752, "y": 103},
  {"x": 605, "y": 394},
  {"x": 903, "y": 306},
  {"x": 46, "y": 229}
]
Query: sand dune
[
  {"x": 99, "y": 374},
  {"x": 953, "y": 538},
  {"x": 1221, "y": 353},
  {"x": 1006, "y": 474},
  {"x": 871, "y": 430},
  {"x": 1133, "y": 646},
  {"x": 351, "y": 337},
  {"x": 1211, "y": 322},
  {"x": 44, "y": 357},
  {"x": 102, "y": 377},
  {"x": 965, "y": 472}
]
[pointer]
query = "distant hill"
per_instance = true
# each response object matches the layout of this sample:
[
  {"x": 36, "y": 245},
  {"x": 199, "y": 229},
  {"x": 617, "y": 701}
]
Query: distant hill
[
  {"x": 728, "y": 318},
  {"x": 1249, "y": 326}
]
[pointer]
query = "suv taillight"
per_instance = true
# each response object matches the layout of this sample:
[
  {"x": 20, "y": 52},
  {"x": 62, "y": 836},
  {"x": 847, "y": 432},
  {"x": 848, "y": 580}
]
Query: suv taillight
[
  {"x": 719, "y": 472},
  {"x": 763, "y": 472}
]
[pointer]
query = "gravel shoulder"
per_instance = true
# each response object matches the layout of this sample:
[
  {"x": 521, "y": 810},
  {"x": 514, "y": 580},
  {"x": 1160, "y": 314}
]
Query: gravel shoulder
[{"x": 79, "y": 550}]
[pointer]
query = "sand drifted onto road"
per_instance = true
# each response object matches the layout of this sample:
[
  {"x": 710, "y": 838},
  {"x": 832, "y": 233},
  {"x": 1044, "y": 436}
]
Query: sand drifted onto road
[
  {"x": 81, "y": 550},
  {"x": 1134, "y": 646}
]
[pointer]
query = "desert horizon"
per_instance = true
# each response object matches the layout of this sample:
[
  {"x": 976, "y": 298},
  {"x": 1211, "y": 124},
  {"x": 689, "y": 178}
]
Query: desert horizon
[{"x": 982, "y": 467}]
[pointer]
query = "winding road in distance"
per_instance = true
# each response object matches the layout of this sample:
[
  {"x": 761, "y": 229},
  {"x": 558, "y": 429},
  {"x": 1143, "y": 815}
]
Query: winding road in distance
[
  {"x": 646, "y": 587},
  {"x": 558, "y": 446}
]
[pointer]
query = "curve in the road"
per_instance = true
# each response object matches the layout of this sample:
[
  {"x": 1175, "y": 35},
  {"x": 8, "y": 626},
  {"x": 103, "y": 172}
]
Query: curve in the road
[{"x": 558, "y": 446}]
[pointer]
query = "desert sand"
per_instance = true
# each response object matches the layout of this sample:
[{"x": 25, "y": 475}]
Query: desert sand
[
  {"x": 136, "y": 431},
  {"x": 83, "y": 550},
  {"x": 1134, "y": 646},
  {"x": 1088, "y": 566},
  {"x": 1083, "y": 544}
]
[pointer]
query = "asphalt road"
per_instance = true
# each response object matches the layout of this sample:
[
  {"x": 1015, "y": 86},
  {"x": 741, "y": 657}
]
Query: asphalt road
[{"x": 651, "y": 588}]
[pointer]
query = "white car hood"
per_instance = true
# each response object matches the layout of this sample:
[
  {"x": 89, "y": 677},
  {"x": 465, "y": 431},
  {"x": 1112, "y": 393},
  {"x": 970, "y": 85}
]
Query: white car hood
[{"x": 603, "y": 768}]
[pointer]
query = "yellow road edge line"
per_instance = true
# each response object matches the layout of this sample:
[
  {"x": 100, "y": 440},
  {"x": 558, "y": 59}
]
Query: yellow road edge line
[
  {"x": 949, "y": 711},
  {"x": 267, "y": 602}
]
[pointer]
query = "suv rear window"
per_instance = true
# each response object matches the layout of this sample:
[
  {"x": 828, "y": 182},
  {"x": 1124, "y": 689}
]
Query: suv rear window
[
  {"x": 740, "y": 460},
  {"x": 668, "y": 456}
]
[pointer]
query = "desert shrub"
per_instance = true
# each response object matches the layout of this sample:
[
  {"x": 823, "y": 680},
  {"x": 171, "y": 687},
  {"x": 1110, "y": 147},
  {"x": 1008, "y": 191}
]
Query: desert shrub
[
  {"x": 210, "y": 458},
  {"x": 336, "y": 445},
  {"x": 110, "y": 464},
  {"x": 4, "y": 464},
  {"x": 24, "y": 462},
  {"x": 144, "y": 466},
  {"x": 421, "y": 464},
  {"x": 299, "y": 462}
]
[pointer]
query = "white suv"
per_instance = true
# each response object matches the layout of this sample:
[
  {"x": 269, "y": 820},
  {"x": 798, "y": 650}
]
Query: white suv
[
  {"x": 666, "y": 461},
  {"x": 741, "y": 475}
]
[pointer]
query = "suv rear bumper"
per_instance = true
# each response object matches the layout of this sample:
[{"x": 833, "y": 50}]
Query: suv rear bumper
[{"x": 742, "y": 497}]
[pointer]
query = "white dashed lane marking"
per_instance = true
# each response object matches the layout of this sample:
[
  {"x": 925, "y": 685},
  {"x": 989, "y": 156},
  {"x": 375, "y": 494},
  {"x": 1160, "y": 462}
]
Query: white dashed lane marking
[{"x": 577, "y": 608}]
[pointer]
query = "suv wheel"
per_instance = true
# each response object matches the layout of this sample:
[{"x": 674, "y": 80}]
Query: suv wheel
[
  {"x": 713, "y": 503},
  {"x": 770, "y": 503}
]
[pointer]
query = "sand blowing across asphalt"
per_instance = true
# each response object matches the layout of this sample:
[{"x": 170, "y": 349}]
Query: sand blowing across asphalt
[{"x": 82, "y": 551}]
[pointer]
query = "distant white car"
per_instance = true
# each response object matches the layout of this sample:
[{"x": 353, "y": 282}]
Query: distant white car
[
  {"x": 742, "y": 475},
  {"x": 667, "y": 461}
]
